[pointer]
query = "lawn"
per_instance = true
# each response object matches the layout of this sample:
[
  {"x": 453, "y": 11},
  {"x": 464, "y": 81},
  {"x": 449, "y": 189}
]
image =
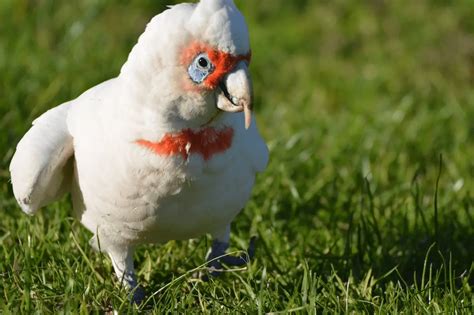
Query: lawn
[{"x": 367, "y": 205}]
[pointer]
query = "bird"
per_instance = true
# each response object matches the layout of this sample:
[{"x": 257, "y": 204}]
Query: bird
[{"x": 167, "y": 150}]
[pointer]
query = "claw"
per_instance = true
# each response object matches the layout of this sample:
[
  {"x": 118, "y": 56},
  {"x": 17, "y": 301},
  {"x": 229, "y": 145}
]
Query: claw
[
  {"x": 138, "y": 295},
  {"x": 218, "y": 249},
  {"x": 243, "y": 259}
]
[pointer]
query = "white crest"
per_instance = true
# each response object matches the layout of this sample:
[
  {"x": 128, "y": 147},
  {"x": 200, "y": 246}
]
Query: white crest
[
  {"x": 220, "y": 23},
  {"x": 215, "y": 4}
]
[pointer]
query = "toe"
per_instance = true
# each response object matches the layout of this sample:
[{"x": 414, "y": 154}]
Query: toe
[{"x": 138, "y": 295}]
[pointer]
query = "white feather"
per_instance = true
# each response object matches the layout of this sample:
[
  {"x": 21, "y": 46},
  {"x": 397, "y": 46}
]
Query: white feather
[{"x": 39, "y": 170}]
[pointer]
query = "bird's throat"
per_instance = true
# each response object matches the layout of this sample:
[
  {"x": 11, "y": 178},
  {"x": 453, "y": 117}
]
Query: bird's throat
[{"x": 206, "y": 142}]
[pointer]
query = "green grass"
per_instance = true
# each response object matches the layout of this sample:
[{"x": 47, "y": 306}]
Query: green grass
[{"x": 367, "y": 205}]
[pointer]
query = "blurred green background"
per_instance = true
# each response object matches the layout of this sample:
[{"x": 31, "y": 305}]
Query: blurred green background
[{"x": 367, "y": 206}]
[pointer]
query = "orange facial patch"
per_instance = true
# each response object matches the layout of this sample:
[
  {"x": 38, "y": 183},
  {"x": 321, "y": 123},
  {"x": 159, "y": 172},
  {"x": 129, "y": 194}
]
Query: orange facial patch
[
  {"x": 206, "y": 142},
  {"x": 222, "y": 61}
]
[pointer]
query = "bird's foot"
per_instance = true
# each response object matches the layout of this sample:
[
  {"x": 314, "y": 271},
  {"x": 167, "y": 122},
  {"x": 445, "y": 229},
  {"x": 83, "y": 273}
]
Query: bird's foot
[
  {"x": 137, "y": 295},
  {"x": 217, "y": 257}
]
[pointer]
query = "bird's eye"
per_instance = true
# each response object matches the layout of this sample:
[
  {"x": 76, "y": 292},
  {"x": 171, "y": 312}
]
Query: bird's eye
[
  {"x": 200, "y": 68},
  {"x": 203, "y": 62}
]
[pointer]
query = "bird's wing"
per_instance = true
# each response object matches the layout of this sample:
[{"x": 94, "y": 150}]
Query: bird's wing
[{"x": 41, "y": 168}]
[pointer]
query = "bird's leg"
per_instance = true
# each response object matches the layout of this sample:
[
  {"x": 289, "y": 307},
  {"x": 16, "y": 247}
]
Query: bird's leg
[
  {"x": 122, "y": 261},
  {"x": 213, "y": 262},
  {"x": 216, "y": 256}
]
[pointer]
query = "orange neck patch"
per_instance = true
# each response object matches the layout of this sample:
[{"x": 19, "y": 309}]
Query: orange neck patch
[
  {"x": 222, "y": 61},
  {"x": 206, "y": 142}
]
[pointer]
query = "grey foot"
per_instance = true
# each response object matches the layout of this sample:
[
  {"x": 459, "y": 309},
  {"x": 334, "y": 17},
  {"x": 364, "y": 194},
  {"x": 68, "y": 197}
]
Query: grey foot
[
  {"x": 137, "y": 295},
  {"x": 218, "y": 249}
]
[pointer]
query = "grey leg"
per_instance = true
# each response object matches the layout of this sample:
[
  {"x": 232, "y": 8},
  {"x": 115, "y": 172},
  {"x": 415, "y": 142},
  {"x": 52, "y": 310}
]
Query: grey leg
[{"x": 122, "y": 261}]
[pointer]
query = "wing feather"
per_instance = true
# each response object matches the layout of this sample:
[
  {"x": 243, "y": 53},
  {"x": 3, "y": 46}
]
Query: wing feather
[{"x": 41, "y": 167}]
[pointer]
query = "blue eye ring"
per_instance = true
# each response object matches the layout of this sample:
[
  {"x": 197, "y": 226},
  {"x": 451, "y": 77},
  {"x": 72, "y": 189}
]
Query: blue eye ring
[{"x": 200, "y": 68}]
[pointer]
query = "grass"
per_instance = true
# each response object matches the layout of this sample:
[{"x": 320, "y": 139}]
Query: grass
[{"x": 367, "y": 205}]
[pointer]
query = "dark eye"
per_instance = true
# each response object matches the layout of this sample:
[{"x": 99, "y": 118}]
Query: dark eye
[
  {"x": 200, "y": 68},
  {"x": 203, "y": 62}
]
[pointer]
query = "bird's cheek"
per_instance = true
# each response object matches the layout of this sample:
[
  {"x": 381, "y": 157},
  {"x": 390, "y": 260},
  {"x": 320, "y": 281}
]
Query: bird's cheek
[
  {"x": 195, "y": 103},
  {"x": 190, "y": 87}
]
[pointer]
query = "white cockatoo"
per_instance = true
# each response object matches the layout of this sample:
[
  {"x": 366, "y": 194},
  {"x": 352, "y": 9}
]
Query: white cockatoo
[{"x": 168, "y": 150}]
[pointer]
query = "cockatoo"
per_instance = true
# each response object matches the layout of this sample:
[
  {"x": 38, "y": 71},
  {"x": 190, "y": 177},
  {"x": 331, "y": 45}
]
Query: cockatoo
[{"x": 168, "y": 150}]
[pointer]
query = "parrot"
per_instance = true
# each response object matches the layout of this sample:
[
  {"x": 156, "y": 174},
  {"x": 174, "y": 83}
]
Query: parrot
[{"x": 167, "y": 150}]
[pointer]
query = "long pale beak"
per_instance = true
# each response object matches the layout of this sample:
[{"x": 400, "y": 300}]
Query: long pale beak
[{"x": 236, "y": 93}]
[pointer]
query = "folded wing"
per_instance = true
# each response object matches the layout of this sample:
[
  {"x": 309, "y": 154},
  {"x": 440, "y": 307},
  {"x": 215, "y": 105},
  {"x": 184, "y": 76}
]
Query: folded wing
[{"x": 42, "y": 166}]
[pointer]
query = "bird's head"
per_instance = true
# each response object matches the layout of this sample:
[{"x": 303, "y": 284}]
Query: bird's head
[{"x": 192, "y": 63}]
